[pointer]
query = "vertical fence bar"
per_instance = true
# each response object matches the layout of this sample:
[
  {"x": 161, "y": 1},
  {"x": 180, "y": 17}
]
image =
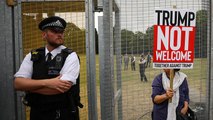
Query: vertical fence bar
[
  {"x": 210, "y": 82},
  {"x": 7, "y": 100},
  {"x": 107, "y": 88},
  {"x": 18, "y": 57},
  {"x": 118, "y": 59},
  {"x": 102, "y": 69},
  {"x": 90, "y": 53}
]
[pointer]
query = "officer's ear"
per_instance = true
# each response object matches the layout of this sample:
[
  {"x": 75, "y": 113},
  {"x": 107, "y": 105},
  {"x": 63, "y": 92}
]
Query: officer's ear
[{"x": 44, "y": 35}]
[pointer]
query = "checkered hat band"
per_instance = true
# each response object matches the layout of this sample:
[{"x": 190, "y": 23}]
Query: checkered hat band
[{"x": 53, "y": 24}]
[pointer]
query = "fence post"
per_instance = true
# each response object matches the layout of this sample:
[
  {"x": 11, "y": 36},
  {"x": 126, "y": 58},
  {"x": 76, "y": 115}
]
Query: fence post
[
  {"x": 7, "y": 101},
  {"x": 107, "y": 88},
  {"x": 90, "y": 55},
  {"x": 209, "y": 105}
]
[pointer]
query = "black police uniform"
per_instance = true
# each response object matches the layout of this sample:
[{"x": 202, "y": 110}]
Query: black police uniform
[
  {"x": 51, "y": 107},
  {"x": 142, "y": 67}
]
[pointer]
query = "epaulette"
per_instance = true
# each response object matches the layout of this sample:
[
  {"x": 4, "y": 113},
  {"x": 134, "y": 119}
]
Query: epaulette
[
  {"x": 35, "y": 53},
  {"x": 67, "y": 50}
]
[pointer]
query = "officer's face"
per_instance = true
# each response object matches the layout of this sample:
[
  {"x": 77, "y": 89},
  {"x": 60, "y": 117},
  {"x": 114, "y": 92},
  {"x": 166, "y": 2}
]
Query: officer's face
[{"x": 54, "y": 38}]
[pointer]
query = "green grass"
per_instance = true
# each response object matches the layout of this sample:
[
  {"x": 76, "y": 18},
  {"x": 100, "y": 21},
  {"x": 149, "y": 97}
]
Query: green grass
[{"x": 136, "y": 98}]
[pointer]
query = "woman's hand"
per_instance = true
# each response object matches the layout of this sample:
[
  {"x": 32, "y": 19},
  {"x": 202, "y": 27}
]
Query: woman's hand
[
  {"x": 161, "y": 98},
  {"x": 169, "y": 93},
  {"x": 185, "y": 108}
]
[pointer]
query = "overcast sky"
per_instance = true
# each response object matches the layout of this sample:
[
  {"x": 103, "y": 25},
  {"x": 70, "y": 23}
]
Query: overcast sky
[{"x": 138, "y": 15}]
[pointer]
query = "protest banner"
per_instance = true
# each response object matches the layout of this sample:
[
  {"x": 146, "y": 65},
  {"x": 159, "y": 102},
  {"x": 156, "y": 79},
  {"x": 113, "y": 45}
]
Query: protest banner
[{"x": 174, "y": 35}]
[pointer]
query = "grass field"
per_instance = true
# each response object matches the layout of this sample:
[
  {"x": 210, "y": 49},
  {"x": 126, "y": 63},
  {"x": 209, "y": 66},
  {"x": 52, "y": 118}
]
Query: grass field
[{"x": 136, "y": 95}]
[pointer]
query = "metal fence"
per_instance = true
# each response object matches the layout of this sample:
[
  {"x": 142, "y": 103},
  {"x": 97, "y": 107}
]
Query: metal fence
[
  {"x": 137, "y": 20},
  {"x": 74, "y": 13},
  {"x": 123, "y": 30}
]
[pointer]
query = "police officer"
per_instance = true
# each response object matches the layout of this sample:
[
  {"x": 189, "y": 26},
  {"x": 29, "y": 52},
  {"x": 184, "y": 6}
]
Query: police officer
[
  {"x": 142, "y": 67},
  {"x": 149, "y": 57},
  {"x": 41, "y": 76}
]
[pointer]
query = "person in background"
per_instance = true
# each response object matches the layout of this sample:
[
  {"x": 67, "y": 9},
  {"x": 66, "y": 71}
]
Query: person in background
[
  {"x": 142, "y": 68},
  {"x": 126, "y": 62},
  {"x": 47, "y": 74},
  {"x": 161, "y": 93},
  {"x": 133, "y": 62},
  {"x": 149, "y": 57}
]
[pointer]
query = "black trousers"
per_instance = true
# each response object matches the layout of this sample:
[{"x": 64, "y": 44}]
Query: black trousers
[
  {"x": 133, "y": 66},
  {"x": 143, "y": 76},
  {"x": 53, "y": 114}
]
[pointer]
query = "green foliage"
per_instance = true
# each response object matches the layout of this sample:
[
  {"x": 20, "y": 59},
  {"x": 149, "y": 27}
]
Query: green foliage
[
  {"x": 136, "y": 43},
  {"x": 149, "y": 38},
  {"x": 126, "y": 41},
  {"x": 75, "y": 38},
  {"x": 201, "y": 34}
]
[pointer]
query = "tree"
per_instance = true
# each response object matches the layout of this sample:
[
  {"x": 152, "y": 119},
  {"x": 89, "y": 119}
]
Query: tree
[
  {"x": 136, "y": 43},
  {"x": 75, "y": 38},
  {"x": 139, "y": 42},
  {"x": 201, "y": 34},
  {"x": 149, "y": 38},
  {"x": 126, "y": 41}
]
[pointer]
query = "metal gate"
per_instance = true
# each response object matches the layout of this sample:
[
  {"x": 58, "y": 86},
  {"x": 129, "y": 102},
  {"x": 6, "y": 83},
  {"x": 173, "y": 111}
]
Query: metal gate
[
  {"x": 73, "y": 11},
  {"x": 124, "y": 30},
  {"x": 136, "y": 26}
]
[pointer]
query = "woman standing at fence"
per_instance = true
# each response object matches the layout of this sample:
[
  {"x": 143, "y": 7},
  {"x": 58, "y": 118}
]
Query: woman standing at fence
[{"x": 161, "y": 93}]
